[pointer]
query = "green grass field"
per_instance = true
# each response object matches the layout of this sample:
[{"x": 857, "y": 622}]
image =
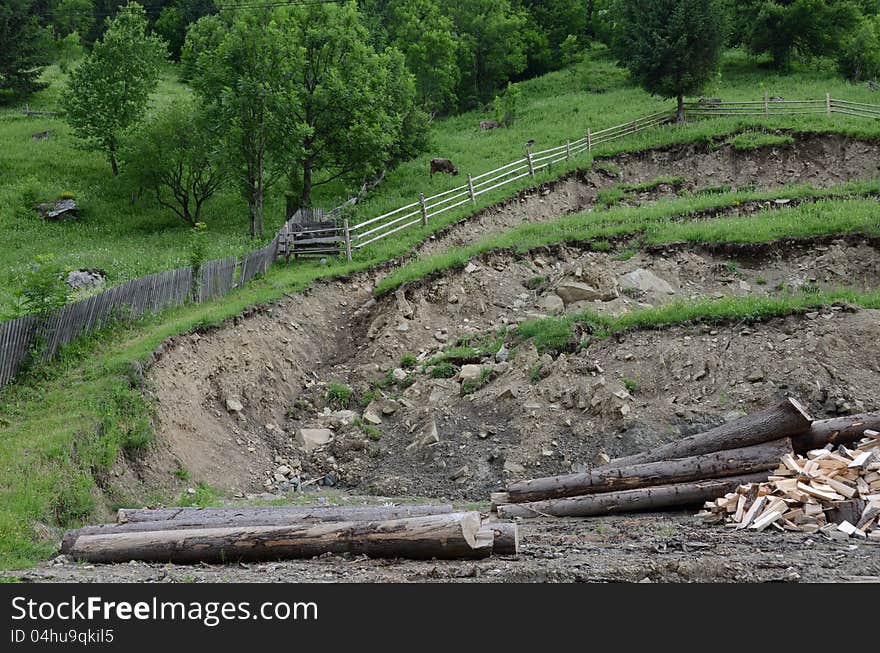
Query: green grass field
[{"x": 63, "y": 425}]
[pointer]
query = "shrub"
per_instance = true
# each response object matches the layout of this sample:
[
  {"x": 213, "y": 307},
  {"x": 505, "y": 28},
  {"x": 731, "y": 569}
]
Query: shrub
[
  {"x": 443, "y": 370},
  {"x": 339, "y": 394}
]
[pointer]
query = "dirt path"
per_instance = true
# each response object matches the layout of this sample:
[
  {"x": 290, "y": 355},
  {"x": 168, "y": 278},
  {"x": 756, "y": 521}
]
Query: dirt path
[{"x": 668, "y": 547}]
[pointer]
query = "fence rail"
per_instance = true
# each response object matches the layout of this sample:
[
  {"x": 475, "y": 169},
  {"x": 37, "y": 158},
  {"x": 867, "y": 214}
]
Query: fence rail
[{"x": 314, "y": 231}]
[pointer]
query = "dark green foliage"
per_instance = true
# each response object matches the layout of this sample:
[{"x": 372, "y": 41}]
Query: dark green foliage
[
  {"x": 23, "y": 48},
  {"x": 40, "y": 288},
  {"x": 443, "y": 370},
  {"x": 671, "y": 47},
  {"x": 859, "y": 56},
  {"x": 176, "y": 17}
]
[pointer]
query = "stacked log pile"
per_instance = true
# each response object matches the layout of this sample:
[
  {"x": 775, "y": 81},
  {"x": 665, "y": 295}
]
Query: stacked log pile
[
  {"x": 218, "y": 535},
  {"x": 835, "y": 490},
  {"x": 700, "y": 468}
]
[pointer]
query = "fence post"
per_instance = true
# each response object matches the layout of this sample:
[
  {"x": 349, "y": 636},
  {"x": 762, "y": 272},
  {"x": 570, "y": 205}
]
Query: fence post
[
  {"x": 567, "y": 150},
  {"x": 828, "y": 103},
  {"x": 766, "y": 102},
  {"x": 589, "y": 141},
  {"x": 347, "y": 240},
  {"x": 529, "y": 160},
  {"x": 424, "y": 210},
  {"x": 471, "y": 189}
]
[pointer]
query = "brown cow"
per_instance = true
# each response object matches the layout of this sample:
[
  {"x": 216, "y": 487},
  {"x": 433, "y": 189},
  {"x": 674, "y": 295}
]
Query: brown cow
[
  {"x": 443, "y": 165},
  {"x": 489, "y": 124}
]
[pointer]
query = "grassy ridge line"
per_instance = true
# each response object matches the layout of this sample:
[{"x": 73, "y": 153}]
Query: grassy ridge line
[
  {"x": 667, "y": 222},
  {"x": 555, "y": 333}
]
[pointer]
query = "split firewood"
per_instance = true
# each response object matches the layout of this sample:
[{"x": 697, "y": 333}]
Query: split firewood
[
  {"x": 608, "y": 478},
  {"x": 786, "y": 419},
  {"x": 834, "y": 491},
  {"x": 447, "y": 536}
]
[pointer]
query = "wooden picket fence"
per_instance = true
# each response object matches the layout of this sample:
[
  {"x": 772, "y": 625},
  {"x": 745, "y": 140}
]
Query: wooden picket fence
[{"x": 23, "y": 338}]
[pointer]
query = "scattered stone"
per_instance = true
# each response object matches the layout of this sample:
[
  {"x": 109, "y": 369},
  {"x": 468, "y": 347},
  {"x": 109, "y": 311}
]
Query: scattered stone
[
  {"x": 578, "y": 291},
  {"x": 399, "y": 374},
  {"x": 311, "y": 439},
  {"x": 428, "y": 436},
  {"x": 647, "y": 282},
  {"x": 603, "y": 458},
  {"x": 551, "y": 304},
  {"x": 60, "y": 210},
  {"x": 403, "y": 306},
  {"x": 41, "y": 136},
  {"x": 234, "y": 405},
  {"x": 344, "y": 417},
  {"x": 755, "y": 376},
  {"x": 506, "y": 393},
  {"x": 403, "y": 327},
  {"x": 371, "y": 417},
  {"x": 502, "y": 355},
  {"x": 511, "y": 467},
  {"x": 91, "y": 278},
  {"x": 460, "y": 474},
  {"x": 470, "y": 268},
  {"x": 284, "y": 470},
  {"x": 470, "y": 372}
]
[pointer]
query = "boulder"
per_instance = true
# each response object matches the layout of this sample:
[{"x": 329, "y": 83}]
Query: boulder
[
  {"x": 399, "y": 374},
  {"x": 59, "y": 210},
  {"x": 470, "y": 372},
  {"x": 311, "y": 439},
  {"x": 551, "y": 304},
  {"x": 647, "y": 282},
  {"x": 78, "y": 279},
  {"x": 234, "y": 405},
  {"x": 578, "y": 291},
  {"x": 371, "y": 416}
]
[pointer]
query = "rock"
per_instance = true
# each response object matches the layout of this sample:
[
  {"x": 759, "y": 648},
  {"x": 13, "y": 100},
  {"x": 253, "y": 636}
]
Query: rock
[
  {"x": 577, "y": 291},
  {"x": 77, "y": 279},
  {"x": 501, "y": 368},
  {"x": 41, "y": 136},
  {"x": 460, "y": 474},
  {"x": 329, "y": 479},
  {"x": 427, "y": 436},
  {"x": 506, "y": 393},
  {"x": 551, "y": 304},
  {"x": 439, "y": 336},
  {"x": 344, "y": 417},
  {"x": 470, "y": 268},
  {"x": 646, "y": 282},
  {"x": 311, "y": 439},
  {"x": 191, "y": 491},
  {"x": 389, "y": 407},
  {"x": 470, "y": 372},
  {"x": 399, "y": 374},
  {"x": 511, "y": 467},
  {"x": 403, "y": 306},
  {"x": 453, "y": 299},
  {"x": 403, "y": 327},
  {"x": 603, "y": 458},
  {"x": 60, "y": 210},
  {"x": 284, "y": 470},
  {"x": 502, "y": 355},
  {"x": 279, "y": 478},
  {"x": 755, "y": 376},
  {"x": 371, "y": 417},
  {"x": 234, "y": 405}
]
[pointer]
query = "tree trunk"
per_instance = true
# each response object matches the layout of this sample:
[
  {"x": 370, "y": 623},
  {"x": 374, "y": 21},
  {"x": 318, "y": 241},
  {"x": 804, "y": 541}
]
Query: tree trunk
[
  {"x": 639, "y": 500},
  {"x": 306, "y": 196},
  {"x": 252, "y": 207},
  {"x": 733, "y": 462},
  {"x": 177, "y": 519},
  {"x": 838, "y": 430},
  {"x": 456, "y": 535},
  {"x": 786, "y": 419},
  {"x": 679, "y": 114},
  {"x": 505, "y": 537},
  {"x": 111, "y": 154},
  {"x": 319, "y": 513}
]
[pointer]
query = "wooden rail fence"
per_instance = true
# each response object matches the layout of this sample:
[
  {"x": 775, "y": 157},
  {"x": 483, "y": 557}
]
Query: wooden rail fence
[{"x": 314, "y": 232}]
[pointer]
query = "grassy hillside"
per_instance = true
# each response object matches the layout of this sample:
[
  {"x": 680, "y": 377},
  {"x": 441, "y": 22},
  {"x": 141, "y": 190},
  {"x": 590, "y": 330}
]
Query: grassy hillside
[
  {"x": 129, "y": 235},
  {"x": 61, "y": 427}
]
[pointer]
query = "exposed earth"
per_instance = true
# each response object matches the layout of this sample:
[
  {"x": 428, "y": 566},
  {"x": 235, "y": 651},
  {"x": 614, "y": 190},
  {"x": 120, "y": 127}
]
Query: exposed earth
[{"x": 335, "y": 391}]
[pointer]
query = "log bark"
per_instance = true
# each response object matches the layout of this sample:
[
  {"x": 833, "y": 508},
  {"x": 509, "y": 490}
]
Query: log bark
[
  {"x": 505, "y": 537},
  {"x": 732, "y": 462},
  {"x": 838, "y": 430},
  {"x": 176, "y": 519},
  {"x": 786, "y": 419},
  {"x": 322, "y": 513},
  {"x": 639, "y": 500},
  {"x": 454, "y": 535}
]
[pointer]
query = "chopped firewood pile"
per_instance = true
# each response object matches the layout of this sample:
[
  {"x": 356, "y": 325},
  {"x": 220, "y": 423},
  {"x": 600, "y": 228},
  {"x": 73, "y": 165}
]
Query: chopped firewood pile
[
  {"x": 834, "y": 490},
  {"x": 714, "y": 466},
  {"x": 231, "y": 534}
]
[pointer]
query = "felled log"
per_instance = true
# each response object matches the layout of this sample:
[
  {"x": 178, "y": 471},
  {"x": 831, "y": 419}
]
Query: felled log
[
  {"x": 638, "y": 500},
  {"x": 732, "y": 462},
  {"x": 837, "y": 430},
  {"x": 505, "y": 536},
  {"x": 454, "y": 535},
  {"x": 786, "y": 419},
  {"x": 192, "y": 518},
  {"x": 322, "y": 513}
]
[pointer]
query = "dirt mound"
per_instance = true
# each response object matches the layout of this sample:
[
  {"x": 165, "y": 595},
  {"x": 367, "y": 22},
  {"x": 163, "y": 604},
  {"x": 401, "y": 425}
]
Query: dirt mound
[{"x": 821, "y": 160}]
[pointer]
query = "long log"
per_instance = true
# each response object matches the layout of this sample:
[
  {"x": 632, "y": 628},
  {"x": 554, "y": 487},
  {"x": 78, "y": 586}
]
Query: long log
[
  {"x": 786, "y": 419},
  {"x": 192, "y": 518},
  {"x": 323, "y": 513},
  {"x": 639, "y": 500},
  {"x": 505, "y": 537},
  {"x": 455, "y": 535},
  {"x": 732, "y": 462},
  {"x": 837, "y": 430}
]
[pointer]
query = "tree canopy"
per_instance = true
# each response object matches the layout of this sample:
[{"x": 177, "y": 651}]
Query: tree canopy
[{"x": 23, "y": 48}]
